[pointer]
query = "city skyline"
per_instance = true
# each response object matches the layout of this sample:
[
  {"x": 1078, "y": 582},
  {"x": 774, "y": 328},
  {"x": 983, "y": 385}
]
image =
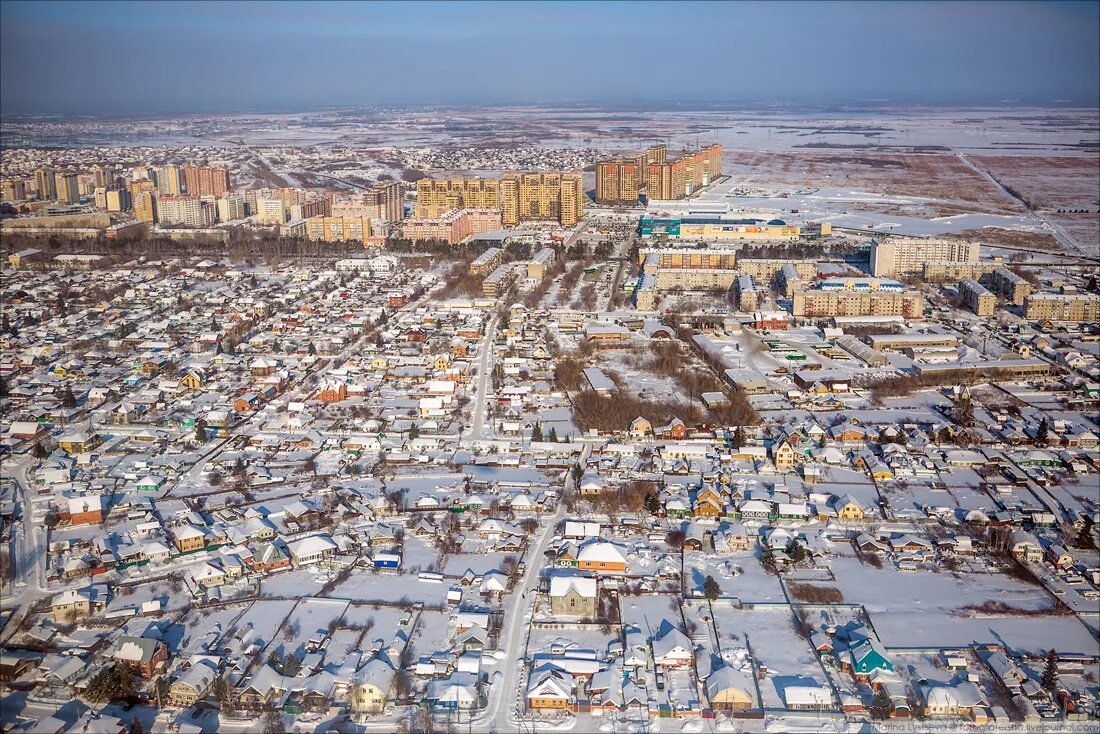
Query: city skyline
[{"x": 226, "y": 57}]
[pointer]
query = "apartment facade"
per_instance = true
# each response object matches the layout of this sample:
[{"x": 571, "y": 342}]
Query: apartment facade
[
  {"x": 169, "y": 181},
  {"x": 13, "y": 190},
  {"x": 66, "y": 188},
  {"x": 338, "y": 229},
  {"x": 1062, "y": 307},
  {"x": 186, "y": 210},
  {"x": 977, "y": 297},
  {"x": 814, "y": 303},
  {"x": 667, "y": 180},
  {"x": 45, "y": 185},
  {"x": 487, "y": 261},
  {"x": 143, "y": 198},
  {"x": 205, "y": 180},
  {"x": 540, "y": 196},
  {"x": 1010, "y": 285},
  {"x": 453, "y": 227},
  {"x": 435, "y": 197},
  {"x": 906, "y": 255}
]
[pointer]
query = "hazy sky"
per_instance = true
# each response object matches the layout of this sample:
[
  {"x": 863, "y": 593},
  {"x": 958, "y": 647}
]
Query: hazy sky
[{"x": 162, "y": 57}]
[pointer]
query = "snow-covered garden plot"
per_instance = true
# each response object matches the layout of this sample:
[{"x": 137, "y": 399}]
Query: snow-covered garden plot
[
  {"x": 479, "y": 563},
  {"x": 775, "y": 644},
  {"x": 343, "y": 640},
  {"x": 648, "y": 611},
  {"x": 739, "y": 575},
  {"x": 431, "y": 634},
  {"x": 545, "y": 644},
  {"x": 926, "y": 608},
  {"x": 197, "y": 631},
  {"x": 265, "y": 617},
  {"x": 366, "y": 585},
  {"x": 309, "y": 621}
]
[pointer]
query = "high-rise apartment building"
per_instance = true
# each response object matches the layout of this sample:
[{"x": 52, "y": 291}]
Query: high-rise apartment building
[
  {"x": 169, "y": 181},
  {"x": 619, "y": 180},
  {"x": 143, "y": 198},
  {"x": 13, "y": 190},
  {"x": 67, "y": 187},
  {"x": 666, "y": 180},
  {"x": 528, "y": 196},
  {"x": 270, "y": 211},
  {"x": 186, "y": 210},
  {"x": 231, "y": 207},
  {"x": 45, "y": 185},
  {"x": 906, "y": 255},
  {"x": 103, "y": 178},
  {"x": 118, "y": 200},
  {"x": 434, "y": 198},
  {"x": 205, "y": 180}
]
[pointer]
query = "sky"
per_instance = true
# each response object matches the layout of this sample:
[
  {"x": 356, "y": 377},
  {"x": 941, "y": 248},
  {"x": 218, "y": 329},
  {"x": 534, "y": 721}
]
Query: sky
[{"x": 172, "y": 57}]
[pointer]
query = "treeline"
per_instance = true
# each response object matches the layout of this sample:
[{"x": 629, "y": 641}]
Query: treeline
[
  {"x": 615, "y": 412},
  {"x": 902, "y": 385}
]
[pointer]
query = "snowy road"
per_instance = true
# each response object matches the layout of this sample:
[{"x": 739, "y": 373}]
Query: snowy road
[
  {"x": 519, "y": 615},
  {"x": 484, "y": 374}
]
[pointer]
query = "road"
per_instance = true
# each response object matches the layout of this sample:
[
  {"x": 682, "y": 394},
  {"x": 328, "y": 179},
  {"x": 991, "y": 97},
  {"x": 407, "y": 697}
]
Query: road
[
  {"x": 1067, "y": 240},
  {"x": 511, "y": 637},
  {"x": 484, "y": 377},
  {"x": 29, "y": 546}
]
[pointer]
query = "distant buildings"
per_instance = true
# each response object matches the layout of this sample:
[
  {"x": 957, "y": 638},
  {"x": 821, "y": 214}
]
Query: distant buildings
[
  {"x": 383, "y": 201},
  {"x": 143, "y": 198},
  {"x": 906, "y": 255},
  {"x": 13, "y": 190},
  {"x": 44, "y": 184},
  {"x": 169, "y": 181},
  {"x": 1010, "y": 285},
  {"x": 683, "y": 177},
  {"x": 205, "y": 181},
  {"x": 487, "y": 261},
  {"x": 620, "y": 180},
  {"x": 231, "y": 207}
]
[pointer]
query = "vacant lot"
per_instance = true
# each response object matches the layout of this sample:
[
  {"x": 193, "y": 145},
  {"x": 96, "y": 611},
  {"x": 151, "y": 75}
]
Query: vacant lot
[{"x": 956, "y": 187}]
